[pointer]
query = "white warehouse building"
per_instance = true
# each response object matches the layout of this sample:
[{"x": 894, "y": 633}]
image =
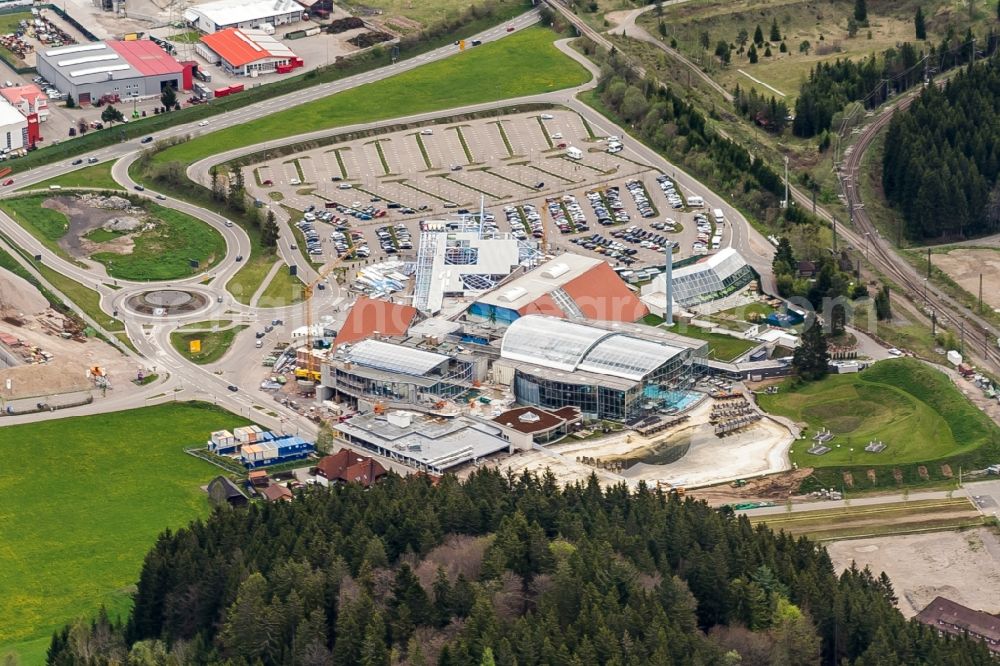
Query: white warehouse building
[{"x": 243, "y": 14}]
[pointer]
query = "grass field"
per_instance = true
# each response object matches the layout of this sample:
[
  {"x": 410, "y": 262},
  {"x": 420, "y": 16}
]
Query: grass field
[
  {"x": 45, "y": 224},
  {"x": 283, "y": 289},
  {"x": 720, "y": 346},
  {"x": 202, "y": 325},
  {"x": 880, "y": 519},
  {"x": 423, "y": 12},
  {"x": 164, "y": 253},
  {"x": 912, "y": 408},
  {"x": 214, "y": 344},
  {"x": 823, "y": 25},
  {"x": 524, "y": 63},
  {"x": 85, "y": 298},
  {"x": 96, "y": 175},
  {"x": 86, "y": 500},
  {"x": 248, "y": 279}
]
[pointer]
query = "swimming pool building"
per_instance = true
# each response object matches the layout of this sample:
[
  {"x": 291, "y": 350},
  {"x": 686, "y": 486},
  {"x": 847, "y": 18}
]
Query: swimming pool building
[{"x": 610, "y": 370}]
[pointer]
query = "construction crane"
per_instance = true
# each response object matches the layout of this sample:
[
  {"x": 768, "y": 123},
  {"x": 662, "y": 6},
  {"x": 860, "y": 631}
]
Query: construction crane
[{"x": 307, "y": 295}]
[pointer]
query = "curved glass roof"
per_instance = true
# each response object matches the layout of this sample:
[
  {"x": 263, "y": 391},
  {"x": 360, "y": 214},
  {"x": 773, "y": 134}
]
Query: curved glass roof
[
  {"x": 394, "y": 358},
  {"x": 550, "y": 342},
  {"x": 624, "y": 356},
  {"x": 564, "y": 345}
]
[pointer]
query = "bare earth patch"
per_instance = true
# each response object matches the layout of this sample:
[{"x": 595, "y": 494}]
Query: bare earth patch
[
  {"x": 964, "y": 266},
  {"x": 962, "y": 566}
]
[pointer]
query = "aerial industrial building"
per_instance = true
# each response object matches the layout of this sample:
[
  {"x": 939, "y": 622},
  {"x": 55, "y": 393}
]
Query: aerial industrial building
[
  {"x": 457, "y": 260},
  {"x": 243, "y": 14},
  {"x": 28, "y": 99},
  {"x": 710, "y": 282},
  {"x": 375, "y": 371},
  {"x": 571, "y": 286},
  {"x": 113, "y": 69},
  {"x": 16, "y": 131},
  {"x": 429, "y": 443},
  {"x": 615, "y": 372},
  {"x": 245, "y": 52}
]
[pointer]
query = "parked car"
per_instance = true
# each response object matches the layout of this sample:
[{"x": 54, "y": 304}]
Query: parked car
[{"x": 427, "y": 132}]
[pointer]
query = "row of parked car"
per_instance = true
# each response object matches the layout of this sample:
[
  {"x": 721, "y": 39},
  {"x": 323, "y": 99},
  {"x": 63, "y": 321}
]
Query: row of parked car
[
  {"x": 355, "y": 246},
  {"x": 567, "y": 214},
  {"x": 642, "y": 237},
  {"x": 610, "y": 248},
  {"x": 614, "y": 212},
  {"x": 670, "y": 191},
  {"x": 640, "y": 197},
  {"x": 531, "y": 217},
  {"x": 313, "y": 243},
  {"x": 701, "y": 243},
  {"x": 402, "y": 241}
]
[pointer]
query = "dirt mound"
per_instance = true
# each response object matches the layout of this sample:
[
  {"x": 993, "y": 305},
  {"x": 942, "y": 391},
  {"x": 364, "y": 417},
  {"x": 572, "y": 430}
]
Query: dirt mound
[
  {"x": 18, "y": 297},
  {"x": 125, "y": 223}
]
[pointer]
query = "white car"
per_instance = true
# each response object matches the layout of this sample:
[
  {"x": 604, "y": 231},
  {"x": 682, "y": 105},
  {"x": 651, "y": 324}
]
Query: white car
[
  {"x": 557, "y": 136},
  {"x": 546, "y": 116},
  {"x": 203, "y": 123},
  {"x": 427, "y": 132},
  {"x": 295, "y": 181}
]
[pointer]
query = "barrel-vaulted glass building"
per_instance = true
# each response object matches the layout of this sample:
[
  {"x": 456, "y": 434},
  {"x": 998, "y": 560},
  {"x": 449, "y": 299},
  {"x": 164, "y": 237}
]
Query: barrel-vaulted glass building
[{"x": 615, "y": 371}]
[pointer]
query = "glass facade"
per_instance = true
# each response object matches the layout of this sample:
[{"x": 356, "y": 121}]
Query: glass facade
[
  {"x": 565, "y": 361},
  {"x": 717, "y": 277}
]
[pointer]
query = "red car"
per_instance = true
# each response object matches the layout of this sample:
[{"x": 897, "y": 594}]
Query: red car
[
  {"x": 561, "y": 145},
  {"x": 510, "y": 28},
  {"x": 268, "y": 183},
  {"x": 9, "y": 181}
]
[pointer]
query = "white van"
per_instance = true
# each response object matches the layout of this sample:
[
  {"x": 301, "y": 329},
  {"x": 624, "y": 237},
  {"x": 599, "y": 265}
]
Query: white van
[
  {"x": 694, "y": 201},
  {"x": 615, "y": 148},
  {"x": 717, "y": 213},
  {"x": 574, "y": 153}
]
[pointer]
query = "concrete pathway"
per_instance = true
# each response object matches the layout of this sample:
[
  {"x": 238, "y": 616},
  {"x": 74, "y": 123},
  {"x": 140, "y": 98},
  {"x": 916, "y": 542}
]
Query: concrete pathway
[{"x": 267, "y": 280}]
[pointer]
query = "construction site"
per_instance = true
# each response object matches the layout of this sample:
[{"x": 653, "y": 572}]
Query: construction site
[{"x": 47, "y": 361}]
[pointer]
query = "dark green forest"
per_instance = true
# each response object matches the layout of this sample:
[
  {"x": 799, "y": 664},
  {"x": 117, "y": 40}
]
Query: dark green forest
[
  {"x": 500, "y": 570},
  {"x": 942, "y": 158},
  {"x": 873, "y": 80}
]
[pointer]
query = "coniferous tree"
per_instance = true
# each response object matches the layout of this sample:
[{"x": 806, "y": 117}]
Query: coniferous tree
[
  {"x": 775, "y": 35},
  {"x": 752, "y": 54},
  {"x": 919, "y": 25},
  {"x": 812, "y": 358},
  {"x": 861, "y": 11},
  {"x": 758, "y": 36}
]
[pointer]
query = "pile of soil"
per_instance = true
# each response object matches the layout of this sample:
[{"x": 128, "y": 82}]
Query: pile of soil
[
  {"x": 18, "y": 297},
  {"x": 367, "y": 39},
  {"x": 345, "y": 24}
]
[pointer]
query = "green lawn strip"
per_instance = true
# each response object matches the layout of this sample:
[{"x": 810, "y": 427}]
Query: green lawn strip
[
  {"x": 248, "y": 279},
  {"x": 101, "y": 235},
  {"x": 545, "y": 131},
  {"x": 189, "y": 37},
  {"x": 465, "y": 145},
  {"x": 503, "y": 135},
  {"x": 68, "y": 551},
  {"x": 125, "y": 340},
  {"x": 551, "y": 173},
  {"x": 474, "y": 188},
  {"x": 165, "y": 252},
  {"x": 371, "y": 60},
  {"x": 298, "y": 168},
  {"x": 912, "y": 408},
  {"x": 214, "y": 344},
  {"x": 95, "y": 175},
  {"x": 340, "y": 161},
  {"x": 85, "y": 298},
  {"x": 491, "y": 172},
  {"x": 430, "y": 194},
  {"x": 423, "y": 150},
  {"x": 206, "y": 325},
  {"x": 590, "y": 130},
  {"x": 284, "y": 289},
  {"x": 294, "y": 216},
  {"x": 45, "y": 224},
  {"x": 381, "y": 156},
  {"x": 578, "y": 163},
  {"x": 720, "y": 346},
  {"x": 523, "y": 63}
]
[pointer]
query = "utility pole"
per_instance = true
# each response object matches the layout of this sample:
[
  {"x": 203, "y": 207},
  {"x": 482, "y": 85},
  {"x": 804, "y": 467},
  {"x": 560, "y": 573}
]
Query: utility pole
[
  {"x": 834, "y": 234},
  {"x": 980, "y": 292},
  {"x": 962, "y": 344},
  {"x": 933, "y": 323},
  {"x": 928, "y": 262},
  {"x": 786, "y": 182}
]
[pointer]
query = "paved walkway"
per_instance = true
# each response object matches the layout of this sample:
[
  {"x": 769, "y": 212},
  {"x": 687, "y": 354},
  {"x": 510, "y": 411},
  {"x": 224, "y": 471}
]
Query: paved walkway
[{"x": 267, "y": 280}]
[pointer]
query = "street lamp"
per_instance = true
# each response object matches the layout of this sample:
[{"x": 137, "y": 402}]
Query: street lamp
[
  {"x": 925, "y": 289},
  {"x": 867, "y": 237}
]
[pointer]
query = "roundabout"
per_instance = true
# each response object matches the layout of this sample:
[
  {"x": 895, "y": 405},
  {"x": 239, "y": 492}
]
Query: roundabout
[{"x": 166, "y": 302}]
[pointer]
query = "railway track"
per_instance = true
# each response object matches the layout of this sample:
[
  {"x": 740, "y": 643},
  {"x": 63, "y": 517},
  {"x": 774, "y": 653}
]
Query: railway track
[{"x": 883, "y": 257}]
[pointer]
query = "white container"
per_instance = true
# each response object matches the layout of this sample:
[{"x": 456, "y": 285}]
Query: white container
[{"x": 954, "y": 358}]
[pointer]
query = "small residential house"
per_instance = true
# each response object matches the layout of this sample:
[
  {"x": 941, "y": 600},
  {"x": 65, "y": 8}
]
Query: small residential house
[
  {"x": 276, "y": 493},
  {"x": 223, "y": 492},
  {"x": 806, "y": 268},
  {"x": 347, "y": 466}
]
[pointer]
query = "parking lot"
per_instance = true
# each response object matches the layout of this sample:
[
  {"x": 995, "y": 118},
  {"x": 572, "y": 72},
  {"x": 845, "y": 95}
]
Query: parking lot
[{"x": 364, "y": 199}]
